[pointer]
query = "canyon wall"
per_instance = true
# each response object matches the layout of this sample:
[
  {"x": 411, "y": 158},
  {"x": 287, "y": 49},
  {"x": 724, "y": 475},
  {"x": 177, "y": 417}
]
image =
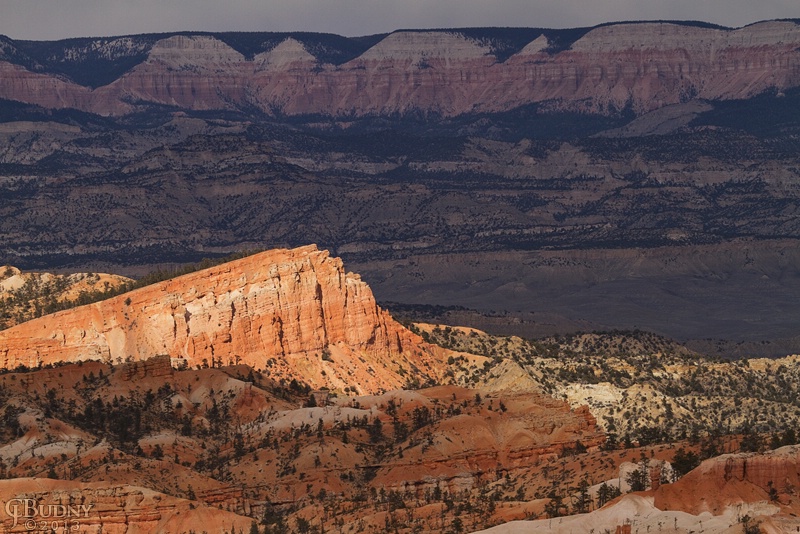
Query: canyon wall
[
  {"x": 295, "y": 313},
  {"x": 640, "y": 66},
  {"x": 732, "y": 479},
  {"x": 38, "y": 504}
]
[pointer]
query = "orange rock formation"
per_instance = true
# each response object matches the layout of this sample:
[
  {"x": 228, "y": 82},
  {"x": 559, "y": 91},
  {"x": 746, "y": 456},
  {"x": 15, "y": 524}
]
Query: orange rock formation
[
  {"x": 295, "y": 313},
  {"x": 733, "y": 479},
  {"x": 35, "y": 505}
]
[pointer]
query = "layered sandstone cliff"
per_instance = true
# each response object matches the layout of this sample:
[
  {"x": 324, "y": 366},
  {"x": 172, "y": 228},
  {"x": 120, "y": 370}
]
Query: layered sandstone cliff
[
  {"x": 733, "y": 479},
  {"x": 39, "y": 505},
  {"x": 724, "y": 494},
  {"x": 643, "y": 66},
  {"x": 295, "y": 313}
]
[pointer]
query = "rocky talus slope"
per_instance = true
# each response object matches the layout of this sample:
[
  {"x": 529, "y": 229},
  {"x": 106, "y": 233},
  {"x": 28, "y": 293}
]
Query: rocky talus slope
[{"x": 295, "y": 313}]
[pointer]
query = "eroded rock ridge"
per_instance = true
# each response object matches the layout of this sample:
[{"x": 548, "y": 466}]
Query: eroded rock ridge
[{"x": 294, "y": 312}]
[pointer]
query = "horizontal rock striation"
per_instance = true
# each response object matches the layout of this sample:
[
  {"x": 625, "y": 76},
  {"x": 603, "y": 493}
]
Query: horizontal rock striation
[
  {"x": 733, "y": 479},
  {"x": 96, "y": 507},
  {"x": 295, "y": 313},
  {"x": 641, "y": 66}
]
